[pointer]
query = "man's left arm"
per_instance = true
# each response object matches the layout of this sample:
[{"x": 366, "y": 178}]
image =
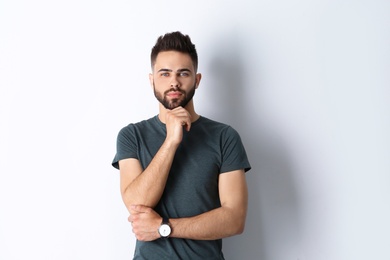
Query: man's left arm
[{"x": 227, "y": 220}]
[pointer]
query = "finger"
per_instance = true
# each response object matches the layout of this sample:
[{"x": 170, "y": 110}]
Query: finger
[{"x": 187, "y": 126}]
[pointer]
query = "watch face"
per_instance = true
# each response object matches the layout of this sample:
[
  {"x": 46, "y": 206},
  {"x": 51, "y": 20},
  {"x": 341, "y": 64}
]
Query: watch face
[{"x": 164, "y": 230}]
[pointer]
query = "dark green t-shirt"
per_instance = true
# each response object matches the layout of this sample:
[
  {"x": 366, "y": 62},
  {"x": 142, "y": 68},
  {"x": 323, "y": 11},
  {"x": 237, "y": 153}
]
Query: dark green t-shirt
[{"x": 210, "y": 148}]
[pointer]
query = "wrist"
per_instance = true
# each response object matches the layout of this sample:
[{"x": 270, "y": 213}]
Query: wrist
[
  {"x": 171, "y": 143},
  {"x": 165, "y": 228}
]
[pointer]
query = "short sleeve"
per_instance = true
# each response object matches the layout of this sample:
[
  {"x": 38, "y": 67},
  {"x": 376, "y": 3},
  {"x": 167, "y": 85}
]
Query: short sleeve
[
  {"x": 234, "y": 156},
  {"x": 126, "y": 145}
]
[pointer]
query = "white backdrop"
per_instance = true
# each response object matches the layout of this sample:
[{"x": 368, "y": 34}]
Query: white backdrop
[{"x": 306, "y": 83}]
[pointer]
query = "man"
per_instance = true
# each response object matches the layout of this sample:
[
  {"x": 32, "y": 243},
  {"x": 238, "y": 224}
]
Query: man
[{"x": 182, "y": 176}]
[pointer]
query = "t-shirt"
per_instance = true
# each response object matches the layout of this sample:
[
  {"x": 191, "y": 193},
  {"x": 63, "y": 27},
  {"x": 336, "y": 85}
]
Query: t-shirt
[{"x": 210, "y": 148}]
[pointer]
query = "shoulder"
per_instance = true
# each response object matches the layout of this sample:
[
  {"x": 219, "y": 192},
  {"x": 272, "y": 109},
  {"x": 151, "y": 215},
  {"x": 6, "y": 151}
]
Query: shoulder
[
  {"x": 132, "y": 128},
  {"x": 209, "y": 123},
  {"x": 141, "y": 124},
  {"x": 217, "y": 127}
]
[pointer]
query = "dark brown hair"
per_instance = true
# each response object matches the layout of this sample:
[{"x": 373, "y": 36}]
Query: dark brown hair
[{"x": 174, "y": 41}]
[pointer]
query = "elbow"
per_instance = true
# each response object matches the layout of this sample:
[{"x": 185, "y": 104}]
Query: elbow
[
  {"x": 240, "y": 219},
  {"x": 237, "y": 222},
  {"x": 126, "y": 198},
  {"x": 240, "y": 228},
  {"x": 131, "y": 197}
]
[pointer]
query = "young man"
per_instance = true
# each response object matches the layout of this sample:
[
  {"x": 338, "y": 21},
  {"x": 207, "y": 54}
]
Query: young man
[{"x": 182, "y": 176}]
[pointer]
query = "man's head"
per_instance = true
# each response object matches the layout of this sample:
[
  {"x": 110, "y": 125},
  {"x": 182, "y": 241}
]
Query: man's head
[{"x": 174, "y": 65}]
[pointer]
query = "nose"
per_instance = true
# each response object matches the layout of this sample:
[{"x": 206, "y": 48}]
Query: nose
[{"x": 174, "y": 82}]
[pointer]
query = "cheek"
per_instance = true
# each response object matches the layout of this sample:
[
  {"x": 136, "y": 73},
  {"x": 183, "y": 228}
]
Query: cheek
[{"x": 161, "y": 81}]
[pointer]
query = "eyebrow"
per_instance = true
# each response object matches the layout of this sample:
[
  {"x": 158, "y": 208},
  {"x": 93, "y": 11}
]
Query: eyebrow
[{"x": 179, "y": 70}]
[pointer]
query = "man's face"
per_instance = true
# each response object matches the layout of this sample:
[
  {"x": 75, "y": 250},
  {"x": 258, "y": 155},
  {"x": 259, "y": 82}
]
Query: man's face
[{"x": 174, "y": 79}]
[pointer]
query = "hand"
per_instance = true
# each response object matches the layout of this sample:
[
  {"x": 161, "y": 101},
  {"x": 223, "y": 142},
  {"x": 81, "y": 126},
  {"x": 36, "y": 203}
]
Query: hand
[
  {"x": 176, "y": 119},
  {"x": 145, "y": 222}
]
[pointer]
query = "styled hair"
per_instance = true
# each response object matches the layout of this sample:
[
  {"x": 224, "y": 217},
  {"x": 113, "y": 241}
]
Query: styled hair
[{"x": 174, "y": 41}]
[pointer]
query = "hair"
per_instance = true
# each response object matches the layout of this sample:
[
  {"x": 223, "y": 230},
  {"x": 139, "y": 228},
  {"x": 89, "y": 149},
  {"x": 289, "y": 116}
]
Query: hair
[{"x": 174, "y": 41}]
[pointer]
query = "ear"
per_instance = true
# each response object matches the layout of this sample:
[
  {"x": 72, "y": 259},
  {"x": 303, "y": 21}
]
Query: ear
[
  {"x": 198, "y": 77},
  {"x": 151, "y": 79}
]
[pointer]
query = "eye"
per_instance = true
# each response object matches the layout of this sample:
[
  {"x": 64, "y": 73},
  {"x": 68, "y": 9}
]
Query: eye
[
  {"x": 164, "y": 74},
  {"x": 184, "y": 74}
]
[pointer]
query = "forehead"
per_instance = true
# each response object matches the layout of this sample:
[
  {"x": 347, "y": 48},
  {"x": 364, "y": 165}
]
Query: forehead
[{"x": 173, "y": 60}]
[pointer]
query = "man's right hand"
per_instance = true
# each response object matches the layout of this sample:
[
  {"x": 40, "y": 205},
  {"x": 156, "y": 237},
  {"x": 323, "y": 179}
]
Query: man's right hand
[{"x": 177, "y": 119}]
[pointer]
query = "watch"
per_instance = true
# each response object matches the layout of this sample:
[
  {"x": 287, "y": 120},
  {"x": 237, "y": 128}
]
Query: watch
[{"x": 165, "y": 229}]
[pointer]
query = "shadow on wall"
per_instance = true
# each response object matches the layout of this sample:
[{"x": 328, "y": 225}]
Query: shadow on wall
[{"x": 272, "y": 220}]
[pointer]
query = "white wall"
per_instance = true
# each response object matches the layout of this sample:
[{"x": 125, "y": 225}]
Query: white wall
[{"x": 306, "y": 83}]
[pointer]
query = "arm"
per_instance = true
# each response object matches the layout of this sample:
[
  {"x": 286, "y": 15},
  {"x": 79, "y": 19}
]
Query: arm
[
  {"x": 225, "y": 221},
  {"x": 145, "y": 187}
]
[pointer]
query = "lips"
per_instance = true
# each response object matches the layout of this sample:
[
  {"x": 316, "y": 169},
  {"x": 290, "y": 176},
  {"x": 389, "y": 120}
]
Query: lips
[{"x": 174, "y": 94}]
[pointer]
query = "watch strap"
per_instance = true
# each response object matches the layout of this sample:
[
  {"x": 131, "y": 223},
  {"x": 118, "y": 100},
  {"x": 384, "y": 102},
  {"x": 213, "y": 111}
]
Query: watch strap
[{"x": 165, "y": 221}]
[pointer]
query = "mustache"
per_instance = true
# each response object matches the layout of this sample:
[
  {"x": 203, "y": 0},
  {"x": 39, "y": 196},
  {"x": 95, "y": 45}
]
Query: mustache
[{"x": 174, "y": 90}]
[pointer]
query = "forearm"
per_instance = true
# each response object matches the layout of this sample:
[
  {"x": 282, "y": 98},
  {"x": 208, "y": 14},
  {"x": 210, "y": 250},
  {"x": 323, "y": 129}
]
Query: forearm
[
  {"x": 215, "y": 224},
  {"x": 225, "y": 221},
  {"x": 148, "y": 187}
]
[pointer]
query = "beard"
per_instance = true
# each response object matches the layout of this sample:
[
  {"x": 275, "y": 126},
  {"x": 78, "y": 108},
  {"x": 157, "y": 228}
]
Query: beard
[{"x": 175, "y": 102}]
